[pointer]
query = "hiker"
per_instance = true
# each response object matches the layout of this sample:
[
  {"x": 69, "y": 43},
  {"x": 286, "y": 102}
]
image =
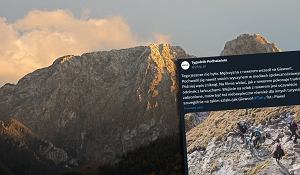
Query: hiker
[
  {"x": 293, "y": 128},
  {"x": 247, "y": 141},
  {"x": 256, "y": 134},
  {"x": 289, "y": 118},
  {"x": 242, "y": 127},
  {"x": 278, "y": 151}
]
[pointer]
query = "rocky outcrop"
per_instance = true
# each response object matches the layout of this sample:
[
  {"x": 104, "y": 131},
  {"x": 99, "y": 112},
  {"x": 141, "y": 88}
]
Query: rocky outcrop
[
  {"x": 249, "y": 44},
  {"x": 193, "y": 119},
  {"x": 99, "y": 105},
  {"x": 229, "y": 155}
]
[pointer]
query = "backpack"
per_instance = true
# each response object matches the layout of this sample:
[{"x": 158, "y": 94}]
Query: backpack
[
  {"x": 243, "y": 128},
  {"x": 257, "y": 133},
  {"x": 293, "y": 126},
  {"x": 279, "y": 150}
]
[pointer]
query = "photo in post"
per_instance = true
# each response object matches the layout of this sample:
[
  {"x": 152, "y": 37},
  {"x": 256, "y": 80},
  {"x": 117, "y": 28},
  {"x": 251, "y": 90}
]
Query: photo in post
[{"x": 243, "y": 141}]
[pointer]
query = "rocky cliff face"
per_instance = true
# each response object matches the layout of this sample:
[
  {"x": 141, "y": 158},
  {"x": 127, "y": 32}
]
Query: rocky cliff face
[
  {"x": 225, "y": 153},
  {"x": 99, "y": 105},
  {"x": 193, "y": 119}
]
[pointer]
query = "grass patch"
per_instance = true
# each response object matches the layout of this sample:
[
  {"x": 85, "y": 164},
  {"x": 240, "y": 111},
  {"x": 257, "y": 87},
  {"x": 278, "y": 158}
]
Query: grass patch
[{"x": 258, "y": 168}]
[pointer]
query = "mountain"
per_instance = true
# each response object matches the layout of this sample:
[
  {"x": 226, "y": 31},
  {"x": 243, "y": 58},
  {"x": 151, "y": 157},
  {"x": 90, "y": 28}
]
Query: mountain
[
  {"x": 107, "y": 112},
  {"x": 214, "y": 147},
  {"x": 99, "y": 106},
  {"x": 249, "y": 44}
]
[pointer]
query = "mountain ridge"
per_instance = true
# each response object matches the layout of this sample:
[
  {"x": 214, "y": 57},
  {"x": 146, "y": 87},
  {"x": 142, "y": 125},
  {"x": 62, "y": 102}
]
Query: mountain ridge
[{"x": 72, "y": 103}]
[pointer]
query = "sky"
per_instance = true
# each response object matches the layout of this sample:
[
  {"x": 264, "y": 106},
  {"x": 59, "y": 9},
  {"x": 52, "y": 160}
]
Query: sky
[{"x": 33, "y": 33}]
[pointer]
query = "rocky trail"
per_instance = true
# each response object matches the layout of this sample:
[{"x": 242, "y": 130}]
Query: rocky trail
[{"x": 232, "y": 156}]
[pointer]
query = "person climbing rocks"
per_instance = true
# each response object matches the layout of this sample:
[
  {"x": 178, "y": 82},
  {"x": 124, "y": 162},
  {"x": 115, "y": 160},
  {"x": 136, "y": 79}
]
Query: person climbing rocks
[
  {"x": 247, "y": 141},
  {"x": 293, "y": 128},
  {"x": 243, "y": 128},
  {"x": 278, "y": 151},
  {"x": 256, "y": 136},
  {"x": 289, "y": 118}
]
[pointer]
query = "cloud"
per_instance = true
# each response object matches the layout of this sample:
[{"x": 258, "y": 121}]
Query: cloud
[
  {"x": 161, "y": 38},
  {"x": 35, "y": 40}
]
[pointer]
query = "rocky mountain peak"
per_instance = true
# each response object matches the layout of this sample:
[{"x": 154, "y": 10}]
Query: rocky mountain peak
[
  {"x": 63, "y": 59},
  {"x": 100, "y": 105},
  {"x": 249, "y": 44}
]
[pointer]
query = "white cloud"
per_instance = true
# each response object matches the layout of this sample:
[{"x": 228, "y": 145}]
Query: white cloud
[{"x": 42, "y": 36}]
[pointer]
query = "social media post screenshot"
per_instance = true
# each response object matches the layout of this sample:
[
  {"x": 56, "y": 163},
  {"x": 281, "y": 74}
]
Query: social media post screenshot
[{"x": 240, "y": 114}]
